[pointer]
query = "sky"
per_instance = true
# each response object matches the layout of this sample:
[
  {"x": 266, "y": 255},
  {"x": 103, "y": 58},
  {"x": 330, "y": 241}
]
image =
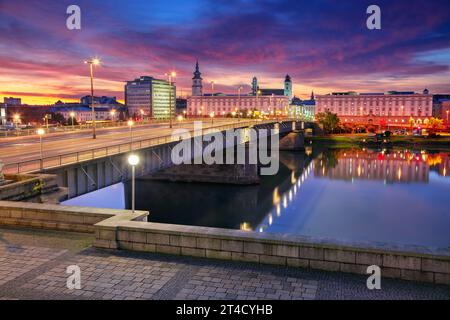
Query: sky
[{"x": 324, "y": 45}]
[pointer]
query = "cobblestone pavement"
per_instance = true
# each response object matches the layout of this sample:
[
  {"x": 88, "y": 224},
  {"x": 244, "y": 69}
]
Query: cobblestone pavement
[{"x": 33, "y": 266}]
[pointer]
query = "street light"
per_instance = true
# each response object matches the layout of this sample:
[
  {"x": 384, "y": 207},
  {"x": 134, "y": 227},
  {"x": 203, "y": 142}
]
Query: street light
[
  {"x": 113, "y": 113},
  {"x": 171, "y": 75},
  {"x": 41, "y": 133},
  {"x": 92, "y": 62},
  {"x": 72, "y": 115},
  {"x": 212, "y": 118},
  {"x": 133, "y": 161},
  {"x": 130, "y": 124},
  {"x": 16, "y": 118}
]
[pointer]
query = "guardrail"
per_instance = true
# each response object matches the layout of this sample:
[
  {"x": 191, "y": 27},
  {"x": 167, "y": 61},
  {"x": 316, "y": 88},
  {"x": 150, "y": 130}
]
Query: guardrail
[
  {"x": 91, "y": 154},
  {"x": 22, "y": 132}
]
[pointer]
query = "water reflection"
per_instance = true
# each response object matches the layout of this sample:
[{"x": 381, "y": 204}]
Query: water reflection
[{"x": 396, "y": 196}]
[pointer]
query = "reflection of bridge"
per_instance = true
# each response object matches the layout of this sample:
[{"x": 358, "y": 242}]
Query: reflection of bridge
[
  {"x": 392, "y": 167},
  {"x": 285, "y": 193}
]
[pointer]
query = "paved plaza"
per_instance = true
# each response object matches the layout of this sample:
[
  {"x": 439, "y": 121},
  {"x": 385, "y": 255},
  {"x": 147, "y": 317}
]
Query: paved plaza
[{"x": 33, "y": 266}]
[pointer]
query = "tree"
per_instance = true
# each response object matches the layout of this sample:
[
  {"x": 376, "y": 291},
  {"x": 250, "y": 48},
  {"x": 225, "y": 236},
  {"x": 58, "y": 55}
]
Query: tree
[
  {"x": 435, "y": 123},
  {"x": 329, "y": 121}
]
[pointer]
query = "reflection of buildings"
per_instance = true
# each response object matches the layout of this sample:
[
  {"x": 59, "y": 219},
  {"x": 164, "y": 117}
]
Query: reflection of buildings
[{"x": 394, "y": 167}]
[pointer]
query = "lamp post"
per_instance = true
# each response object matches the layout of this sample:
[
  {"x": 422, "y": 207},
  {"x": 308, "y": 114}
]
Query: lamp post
[
  {"x": 16, "y": 120},
  {"x": 92, "y": 62},
  {"x": 239, "y": 98},
  {"x": 180, "y": 119},
  {"x": 41, "y": 133},
  {"x": 72, "y": 115},
  {"x": 113, "y": 113},
  {"x": 171, "y": 75},
  {"x": 133, "y": 161},
  {"x": 130, "y": 124},
  {"x": 212, "y": 118}
]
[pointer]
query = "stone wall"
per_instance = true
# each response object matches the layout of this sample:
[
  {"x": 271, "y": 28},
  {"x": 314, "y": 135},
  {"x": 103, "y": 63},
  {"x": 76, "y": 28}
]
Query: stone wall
[
  {"x": 404, "y": 262},
  {"x": 55, "y": 217}
]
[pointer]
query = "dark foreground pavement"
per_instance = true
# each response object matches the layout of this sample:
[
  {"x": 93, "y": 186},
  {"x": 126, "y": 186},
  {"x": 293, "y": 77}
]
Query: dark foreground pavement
[{"x": 33, "y": 266}]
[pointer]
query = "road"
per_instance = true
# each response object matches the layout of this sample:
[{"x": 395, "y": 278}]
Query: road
[{"x": 27, "y": 148}]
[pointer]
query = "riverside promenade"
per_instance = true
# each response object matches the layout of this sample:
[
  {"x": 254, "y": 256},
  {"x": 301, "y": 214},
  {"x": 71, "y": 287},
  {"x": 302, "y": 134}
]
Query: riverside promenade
[{"x": 33, "y": 266}]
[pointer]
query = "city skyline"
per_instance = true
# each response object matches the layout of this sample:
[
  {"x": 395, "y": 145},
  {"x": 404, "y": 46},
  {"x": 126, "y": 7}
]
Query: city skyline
[{"x": 323, "y": 46}]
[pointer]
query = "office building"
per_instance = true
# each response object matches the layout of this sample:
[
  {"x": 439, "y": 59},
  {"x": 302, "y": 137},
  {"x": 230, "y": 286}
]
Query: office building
[{"x": 150, "y": 97}]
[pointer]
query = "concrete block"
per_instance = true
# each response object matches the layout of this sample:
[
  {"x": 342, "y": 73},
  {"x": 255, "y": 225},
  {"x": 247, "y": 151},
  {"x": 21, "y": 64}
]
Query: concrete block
[
  {"x": 106, "y": 234},
  {"x": 286, "y": 251},
  {"x": 339, "y": 255},
  {"x": 125, "y": 245},
  {"x": 145, "y": 247},
  {"x": 353, "y": 268},
  {"x": 435, "y": 265},
  {"x": 311, "y": 253},
  {"x": 298, "y": 263},
  {"x": 390, "y": 272},
  {"x": 123, "y": 235},
  {"x": 369, "y": 259},
  {"x": 324, "y": 265},
  {"x": 401, "y": 262},
  {"x": 247, "y": 257},
  {"x": 414, "y": 275},
  {"x": 193, "y": 252},
  {"x": 281, "y": 261},
  {"x": 218, "y": 254},
  {"x": 442, "y": 278},
  {"x": 232, "y": 245},
  {"x": 258, "y": 248},
  {"x": 187, "y": 241},
  {"x": 168, "y": 249},
  {"x": 208, "y": 243},
  {"x": 16, "y": 213},
  {"x": 158, "y": 238},
  {"x": 174, "y": 240},
  {"x": 5, "y": 213}
]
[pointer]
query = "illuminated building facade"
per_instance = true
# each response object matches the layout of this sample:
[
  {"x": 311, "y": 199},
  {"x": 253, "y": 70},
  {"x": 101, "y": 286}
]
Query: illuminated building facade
[
  {"x": 392, "y": 108},
  {"x": 150, "y": 97},
  {"x": 2, "y": 114}
]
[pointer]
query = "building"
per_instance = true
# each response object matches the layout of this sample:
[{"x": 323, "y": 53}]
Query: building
[
  {"x": 150, "y": 97},
  {"x": 2, "y": 114},
  {"x": 197, "y": 86},
  {"x": 260, "y": 101},
  {"x": 12, "y": 101},
  {"x": 225, "y": 105},
  {"x": 445, "y": 112},
  {"x": 104, "y": 100},
  {"x": 302, "y": 109},
  {"x": 83, "y": 113},
  {"x": 286, "y": 91},
  {"x": 438, "y": 99},
  {"x": 181, "y": 107},
  {"x": 391, "y": 108}
]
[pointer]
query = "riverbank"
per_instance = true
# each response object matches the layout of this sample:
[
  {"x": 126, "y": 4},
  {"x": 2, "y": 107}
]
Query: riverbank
[{"x": 357, "y": 140}]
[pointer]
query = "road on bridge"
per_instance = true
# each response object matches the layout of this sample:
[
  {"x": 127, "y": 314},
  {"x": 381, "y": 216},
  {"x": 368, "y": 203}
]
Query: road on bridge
[{"x": 27, "y": 148}]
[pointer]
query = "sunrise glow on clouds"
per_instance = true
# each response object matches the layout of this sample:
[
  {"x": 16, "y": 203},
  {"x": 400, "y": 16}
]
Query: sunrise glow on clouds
[{"x": 324, "y": 45}]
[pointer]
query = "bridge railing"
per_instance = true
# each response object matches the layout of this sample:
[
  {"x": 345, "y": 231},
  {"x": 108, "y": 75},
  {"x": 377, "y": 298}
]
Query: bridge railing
[{"x": 96, "y": 153}]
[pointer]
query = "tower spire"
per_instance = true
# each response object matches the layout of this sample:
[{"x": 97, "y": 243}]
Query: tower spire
[{"x": 197, "y": 86}]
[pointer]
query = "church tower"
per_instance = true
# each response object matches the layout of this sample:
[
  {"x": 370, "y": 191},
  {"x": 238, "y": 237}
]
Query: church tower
[
  {"x": 254, "y": 86},
  {"x": 197, "y": 86},
  {"x": 288, "y": 87}
]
